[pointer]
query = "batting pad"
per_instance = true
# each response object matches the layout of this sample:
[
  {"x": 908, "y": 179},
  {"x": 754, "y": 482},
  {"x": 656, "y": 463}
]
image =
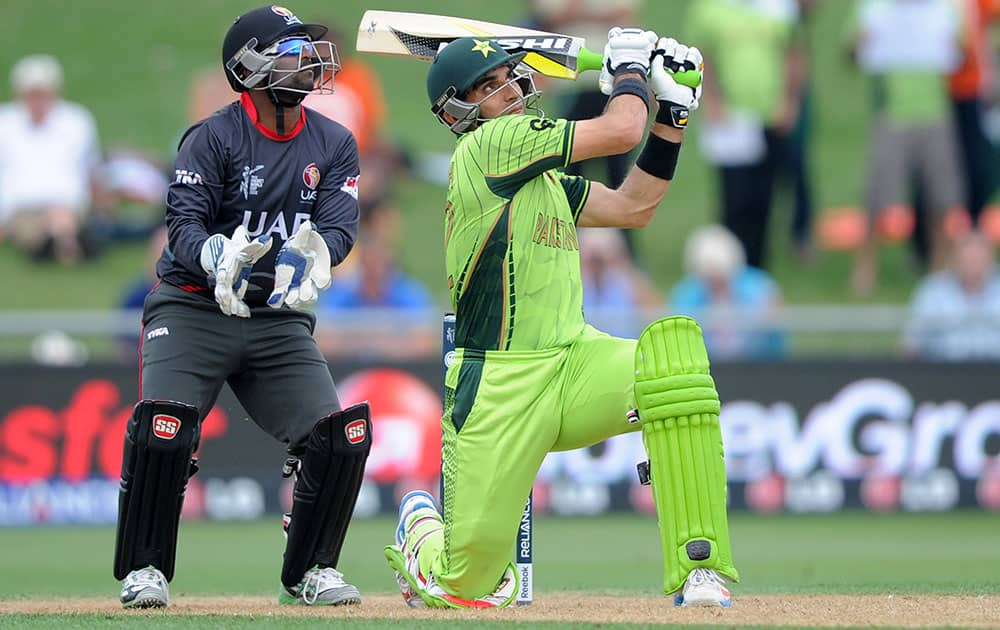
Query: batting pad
[{"x": 679, "y": 411}]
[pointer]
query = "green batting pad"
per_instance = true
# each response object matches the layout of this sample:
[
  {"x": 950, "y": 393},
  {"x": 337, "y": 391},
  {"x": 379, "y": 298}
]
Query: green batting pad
[{"x": 679, "y": 411}]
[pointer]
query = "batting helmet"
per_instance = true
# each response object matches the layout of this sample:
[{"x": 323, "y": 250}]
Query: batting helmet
[{"x": 456, "y": 70}]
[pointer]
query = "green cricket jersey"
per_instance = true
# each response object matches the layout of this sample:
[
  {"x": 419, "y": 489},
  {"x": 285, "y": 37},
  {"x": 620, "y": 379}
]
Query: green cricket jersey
[{"x": 512, "y": 255}]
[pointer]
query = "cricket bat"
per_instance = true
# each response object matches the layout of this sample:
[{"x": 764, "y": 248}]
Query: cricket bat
[{"x": 420, "y": 35}]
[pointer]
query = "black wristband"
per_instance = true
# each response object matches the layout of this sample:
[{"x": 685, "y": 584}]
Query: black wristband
[
  {"x": 672, "y": 114},
  {"x": 634, "y": 86},
  {"x": 636, "y": 68},
  {"x": 659, "y": 157}
]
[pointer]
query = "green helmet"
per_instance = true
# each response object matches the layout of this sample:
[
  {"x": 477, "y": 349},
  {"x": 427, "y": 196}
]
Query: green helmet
[{"x": 456, "y": 69}]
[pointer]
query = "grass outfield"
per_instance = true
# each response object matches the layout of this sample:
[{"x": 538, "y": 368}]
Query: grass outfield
[
  {"x": 854, "y": 553},
  {"x": 583, "y": 566}
]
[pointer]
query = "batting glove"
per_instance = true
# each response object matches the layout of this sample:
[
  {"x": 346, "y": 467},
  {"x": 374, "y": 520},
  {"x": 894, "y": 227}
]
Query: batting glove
[
  {"x": 629, "y": 49},
  {"x": 675, "y": 100},
  {"x": 301, "y": 270},
  {"x": 229, "y": 261}
]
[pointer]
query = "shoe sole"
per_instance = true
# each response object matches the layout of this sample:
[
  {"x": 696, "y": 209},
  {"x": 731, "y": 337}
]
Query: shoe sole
[
  {"x": 702, "y": 603},
  {"x": 350, "y": 600},
  {"x": 398, "y": 564},
  {"x": 146, "y": 602}
]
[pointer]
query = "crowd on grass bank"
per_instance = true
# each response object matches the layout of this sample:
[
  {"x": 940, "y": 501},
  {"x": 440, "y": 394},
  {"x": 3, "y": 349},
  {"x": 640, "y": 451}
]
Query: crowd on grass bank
[{"x": 930, "y": 172}]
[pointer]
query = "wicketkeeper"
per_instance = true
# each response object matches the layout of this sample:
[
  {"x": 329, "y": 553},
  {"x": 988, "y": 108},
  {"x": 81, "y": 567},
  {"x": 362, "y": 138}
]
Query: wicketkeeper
[
  {"x": 264, "y": 203},
  {"x": 530, "y": 376}
]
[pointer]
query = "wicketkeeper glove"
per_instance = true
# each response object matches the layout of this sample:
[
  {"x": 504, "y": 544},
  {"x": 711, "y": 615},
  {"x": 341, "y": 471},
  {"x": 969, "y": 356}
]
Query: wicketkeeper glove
[
  {"x": 301, "y": 270},
  {"x": 229, "y": 261},
  {"x": 676, "y": 101}
]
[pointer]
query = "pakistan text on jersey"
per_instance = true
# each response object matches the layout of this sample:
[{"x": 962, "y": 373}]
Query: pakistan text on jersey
[{"x": 555, "y": 232}]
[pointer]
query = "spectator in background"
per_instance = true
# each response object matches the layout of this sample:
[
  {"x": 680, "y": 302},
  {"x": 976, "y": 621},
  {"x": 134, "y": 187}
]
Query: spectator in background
[
  {"x": 376, "y": 309},
  {"x": 955, "y": 313},
  {"x": 735, "y": 303},
  {"x": 48, "y": 155},
  {"x": 799, "y": 135},
  {"x": 134, "y": 296},
  {"x": 589, "y": 19},
  {"x": 615, "y": 291},
  {"x": 752, "y": 101},
  {"x": 908, "y": 47},
  {"x": 971, "y": 87}
]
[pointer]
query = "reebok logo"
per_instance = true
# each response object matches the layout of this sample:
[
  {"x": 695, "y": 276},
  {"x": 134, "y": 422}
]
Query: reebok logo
[
  {"x": 355, "y": 432},
  {"x": 165, "y": 427}
]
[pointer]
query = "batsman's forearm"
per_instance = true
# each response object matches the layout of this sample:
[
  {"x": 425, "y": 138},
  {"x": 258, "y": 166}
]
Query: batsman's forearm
[{"x": 645, "y": 190}]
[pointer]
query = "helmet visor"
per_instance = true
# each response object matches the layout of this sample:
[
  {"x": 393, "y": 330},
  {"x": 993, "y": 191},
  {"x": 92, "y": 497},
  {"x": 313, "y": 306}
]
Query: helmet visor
[{"x": 295, "y": 64}]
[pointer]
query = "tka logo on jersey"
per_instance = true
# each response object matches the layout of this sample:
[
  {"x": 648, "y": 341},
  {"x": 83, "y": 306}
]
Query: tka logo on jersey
[
  {"x": 251, "y": 184},
  {"x": 182, "y": 176},
  {"x": 162, "y": 331},
  {"x": 286, "y": 13},
  {"x": 165, "y": 427},
  {"x": 351, "y": 186},
  {"x": 355, "y": 432}
]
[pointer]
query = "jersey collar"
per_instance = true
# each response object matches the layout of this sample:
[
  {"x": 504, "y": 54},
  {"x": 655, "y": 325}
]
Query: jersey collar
[{"x": 251, "y": 111}]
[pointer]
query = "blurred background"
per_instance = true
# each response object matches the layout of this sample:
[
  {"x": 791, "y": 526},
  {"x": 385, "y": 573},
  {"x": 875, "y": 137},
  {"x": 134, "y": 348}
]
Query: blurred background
[{"x": 832, "y": 225}]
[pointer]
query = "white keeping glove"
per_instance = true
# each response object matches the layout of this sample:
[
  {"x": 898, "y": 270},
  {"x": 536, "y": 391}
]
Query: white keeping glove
[
  {"x": 301, "y": 270},
  {"x": 229, "y": 261},
  {"x": 672, "y": 64},
  {"x": 629, "y": 47}
]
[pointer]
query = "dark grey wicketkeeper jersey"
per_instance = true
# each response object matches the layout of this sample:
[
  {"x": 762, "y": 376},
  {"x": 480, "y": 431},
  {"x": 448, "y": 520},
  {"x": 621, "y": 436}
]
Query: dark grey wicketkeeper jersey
[{"x": 231, "y": 171}]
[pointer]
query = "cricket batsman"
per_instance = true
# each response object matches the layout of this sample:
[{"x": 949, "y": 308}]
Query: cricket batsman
[{"x": 530, "y": 376}]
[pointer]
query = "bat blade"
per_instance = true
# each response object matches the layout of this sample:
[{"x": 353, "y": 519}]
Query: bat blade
[{"x": 419, "y": 35}]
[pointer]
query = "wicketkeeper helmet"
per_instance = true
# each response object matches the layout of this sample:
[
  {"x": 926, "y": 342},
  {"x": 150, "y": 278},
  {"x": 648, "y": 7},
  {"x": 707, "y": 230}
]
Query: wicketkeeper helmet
[{"x": 258, "y": 38}]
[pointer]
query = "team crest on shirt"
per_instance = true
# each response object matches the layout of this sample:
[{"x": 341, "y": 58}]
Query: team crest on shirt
[
  {"x": 287, "y": 14},
  {"x": 310, "y": 176},
  {"x": 351, "y": 186}
]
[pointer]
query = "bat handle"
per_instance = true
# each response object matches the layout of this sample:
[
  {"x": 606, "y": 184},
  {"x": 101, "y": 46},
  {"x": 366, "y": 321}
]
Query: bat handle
[
  {"x": 589, "y": 60},
  {"x": 690, "y": 78}
]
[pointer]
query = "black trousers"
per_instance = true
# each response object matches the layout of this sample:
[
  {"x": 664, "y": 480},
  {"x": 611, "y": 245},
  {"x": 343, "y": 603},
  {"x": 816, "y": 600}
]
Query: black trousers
[
  {"x": 271, "y": 361},
  {"x": 978, "y": 155},
  {"x": 747, "y": 192}
]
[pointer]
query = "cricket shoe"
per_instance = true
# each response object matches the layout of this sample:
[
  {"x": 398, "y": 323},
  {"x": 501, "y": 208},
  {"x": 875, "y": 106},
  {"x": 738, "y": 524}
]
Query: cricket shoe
[
  {"x": 402, "y": 557},
  {"x": 703, "y": 587},
  {"x": 321, "y": 587},
  {"x": 412, "y": 501},
  {"x": 144, "y": 588},
  {"x": 420, "y": 590}
]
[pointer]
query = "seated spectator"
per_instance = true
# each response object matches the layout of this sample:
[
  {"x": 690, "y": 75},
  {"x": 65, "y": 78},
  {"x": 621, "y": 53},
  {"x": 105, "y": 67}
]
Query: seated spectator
[
  {"x": 376, "y": 309},
  {"x": 734, "y": 302},
  {"x": 615, "y": 291},
  {"x": 134, "y": 295},
  {"x": 48, "y": 154},
  {"x": 955, "y": 313}
]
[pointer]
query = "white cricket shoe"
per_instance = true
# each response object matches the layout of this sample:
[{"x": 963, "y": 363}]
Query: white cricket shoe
[
  {"x": 321, "y": 587},
  {"x": 145, "y": 588},
  {"x": 412, "y": 501},
  {"x": 703, "y": 587}
]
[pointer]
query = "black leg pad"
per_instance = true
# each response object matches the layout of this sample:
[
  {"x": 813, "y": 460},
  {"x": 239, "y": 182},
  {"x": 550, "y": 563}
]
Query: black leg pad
[
  {"x": 327, "y": 485},
  {"x": 156, "y": 463}
]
